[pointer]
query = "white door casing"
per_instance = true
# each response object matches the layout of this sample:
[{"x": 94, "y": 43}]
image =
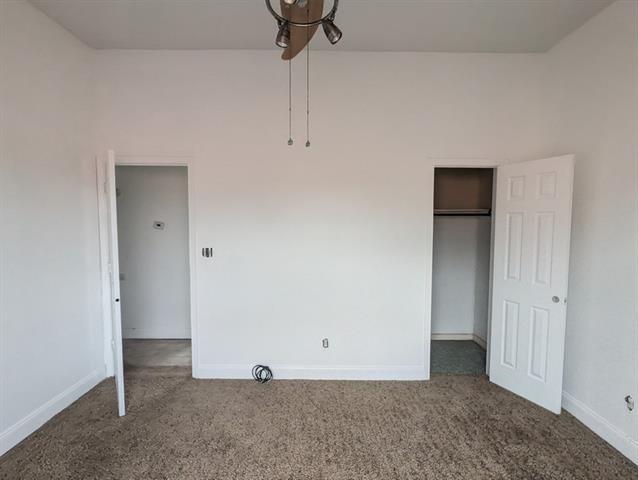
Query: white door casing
[
  {"x": 530, "y": 272},
  {"x": 114, "y": 275}
]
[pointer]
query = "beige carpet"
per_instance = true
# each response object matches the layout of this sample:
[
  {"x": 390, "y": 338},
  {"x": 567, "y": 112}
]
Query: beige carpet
[{"x": 453, "y": 427}]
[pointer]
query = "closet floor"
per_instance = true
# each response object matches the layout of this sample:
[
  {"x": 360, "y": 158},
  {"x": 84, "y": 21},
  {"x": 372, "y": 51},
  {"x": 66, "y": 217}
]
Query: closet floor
[{"x": 457, "y": 357}]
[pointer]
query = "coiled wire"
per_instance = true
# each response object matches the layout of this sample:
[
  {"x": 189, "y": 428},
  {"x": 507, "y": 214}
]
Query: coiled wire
[{"x": 262, "y": 373}]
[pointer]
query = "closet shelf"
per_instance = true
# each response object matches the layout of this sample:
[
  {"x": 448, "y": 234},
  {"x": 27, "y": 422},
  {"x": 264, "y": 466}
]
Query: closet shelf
[{"x": 466, "y": 212}]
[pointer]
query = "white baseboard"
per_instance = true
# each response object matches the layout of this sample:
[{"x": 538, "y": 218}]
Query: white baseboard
[
  {"x": 480, "y": 341},
  {"x": 156, "y": 334},
  {"x": 29, "y": 424},
  {"x": 601, "y": 427},
  {"x": 339, "y": 372},
  {"x": 460, "y": 336}
]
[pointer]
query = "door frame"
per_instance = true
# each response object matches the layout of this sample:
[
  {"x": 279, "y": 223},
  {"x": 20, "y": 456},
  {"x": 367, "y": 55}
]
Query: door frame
[
  {"x": 455, "y": 163},
  {"x": 132, "y": 160}
]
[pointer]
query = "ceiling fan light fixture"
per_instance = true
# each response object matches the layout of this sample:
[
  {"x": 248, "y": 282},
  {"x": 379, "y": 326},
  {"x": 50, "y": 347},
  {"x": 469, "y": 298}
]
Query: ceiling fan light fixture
[
  {"x": 333, "y": 33},
  {"x": 291, "y": 16},
  {"x": 283, "y": 35}
]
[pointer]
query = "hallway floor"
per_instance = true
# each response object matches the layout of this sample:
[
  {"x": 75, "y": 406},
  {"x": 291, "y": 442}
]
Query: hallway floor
[{"x": 157, "y": 353}]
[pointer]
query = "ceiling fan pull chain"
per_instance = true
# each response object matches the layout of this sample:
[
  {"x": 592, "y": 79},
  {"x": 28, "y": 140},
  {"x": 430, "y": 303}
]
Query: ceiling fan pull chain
[
  {"x": 290, "y": 142},
  {"x": 288, "y": 23},
  {"x": 308, "y": 79}
]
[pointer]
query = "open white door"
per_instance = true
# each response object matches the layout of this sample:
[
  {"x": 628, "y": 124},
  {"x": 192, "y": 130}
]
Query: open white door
[
  {"x": 531, "y": 265},
  {"x": 114, "y": 274}
]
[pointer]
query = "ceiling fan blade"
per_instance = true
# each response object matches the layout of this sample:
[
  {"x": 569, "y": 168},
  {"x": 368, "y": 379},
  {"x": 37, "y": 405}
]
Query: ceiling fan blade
[{"x": 300, "y": 36}]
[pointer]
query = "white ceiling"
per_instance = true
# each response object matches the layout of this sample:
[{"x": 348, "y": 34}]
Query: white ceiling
[{"x": 370, "y": 25}]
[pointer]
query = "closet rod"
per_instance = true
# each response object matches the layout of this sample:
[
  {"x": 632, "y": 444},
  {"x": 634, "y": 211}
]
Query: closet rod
[{"x": 466, "y": 212}]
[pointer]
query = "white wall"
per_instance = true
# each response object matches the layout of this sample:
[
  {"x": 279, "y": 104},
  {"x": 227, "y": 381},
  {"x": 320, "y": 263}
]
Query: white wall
[
  {"x": 330, "y": 241},
  {"x": 460, "y": 275},
  {"x": 153, "y": 263},
  {"x": 51, "y": 350},
  {"x": 595, "y": 98}
]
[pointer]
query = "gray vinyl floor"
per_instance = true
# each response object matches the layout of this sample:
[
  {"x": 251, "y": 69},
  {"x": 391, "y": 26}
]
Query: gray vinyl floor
[
  {"x": 457, "y": 357},
  {"x": 157, "y": 353}
]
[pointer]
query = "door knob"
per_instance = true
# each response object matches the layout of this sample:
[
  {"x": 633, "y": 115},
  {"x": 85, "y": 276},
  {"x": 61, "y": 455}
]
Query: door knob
[{"x": 555, "y": 299}]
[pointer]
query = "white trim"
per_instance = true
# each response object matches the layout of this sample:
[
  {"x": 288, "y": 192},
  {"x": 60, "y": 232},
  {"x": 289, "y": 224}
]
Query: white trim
[
  {"x": 634, "y": 384},
  {"x": 455, "y": 162},
  {"x": 452, "y": 336},
  {"x": 481, "y": 342},
  {"x": 318, "y": 372},
  {"x": 29, "y": 424},
  {"x": 460, "y": 336},
  {"x": 161, "y": 333},
  {"x": 488, "y": 333},
  {"x": 429, "y": 274},
  {"x": 160, "y": 160},
  {"x": 451, "y": 162},
  {"x": 192, "y": 259},
  {"x": 601, "y": 427}
]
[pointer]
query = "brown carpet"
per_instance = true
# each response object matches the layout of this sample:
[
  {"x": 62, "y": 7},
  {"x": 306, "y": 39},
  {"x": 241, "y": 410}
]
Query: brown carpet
[{"x": 453, "y": 427}]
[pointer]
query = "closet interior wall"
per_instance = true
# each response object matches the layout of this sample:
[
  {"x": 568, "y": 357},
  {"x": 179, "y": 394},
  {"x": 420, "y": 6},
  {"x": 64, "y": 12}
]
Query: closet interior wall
[{"x": 461, "y": 253}]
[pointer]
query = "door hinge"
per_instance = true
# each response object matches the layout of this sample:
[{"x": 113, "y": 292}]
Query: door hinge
[
  {"x": 630, "y": 403},
  {"x": 113, "y": 344},
  {"x": 106, "y": 187}
]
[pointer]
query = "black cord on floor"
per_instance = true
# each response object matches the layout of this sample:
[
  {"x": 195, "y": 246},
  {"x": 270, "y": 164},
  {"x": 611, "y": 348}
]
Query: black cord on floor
[{"x": 262, "y": 373}]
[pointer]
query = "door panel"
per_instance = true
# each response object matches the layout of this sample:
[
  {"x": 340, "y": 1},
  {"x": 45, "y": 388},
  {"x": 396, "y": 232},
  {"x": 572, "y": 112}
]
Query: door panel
[
  {"x": 531, "y": 264},
  {"x": 114, "y": 273},
  {"x": 538, "y": 340},
  {"x": 514, "y": 246},
  {"x": 510, "y": 334},
  {"x": 543, "y": 248}
]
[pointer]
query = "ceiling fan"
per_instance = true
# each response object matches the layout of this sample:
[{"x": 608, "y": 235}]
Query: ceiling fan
[{"x": 297, "y": 24}]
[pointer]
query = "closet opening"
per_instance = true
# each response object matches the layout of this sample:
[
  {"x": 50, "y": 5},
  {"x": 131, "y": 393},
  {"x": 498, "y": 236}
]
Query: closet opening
[{"x": 461, "y": 263}]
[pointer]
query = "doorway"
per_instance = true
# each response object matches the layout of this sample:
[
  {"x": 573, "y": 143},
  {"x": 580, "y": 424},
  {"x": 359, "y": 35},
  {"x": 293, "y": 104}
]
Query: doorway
[
  {"x": 530, "y": 224},
  {"x": 152, "y": 234},
  {"x": 110, "y": 258},
  {"x": 461, "y": 261}
]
